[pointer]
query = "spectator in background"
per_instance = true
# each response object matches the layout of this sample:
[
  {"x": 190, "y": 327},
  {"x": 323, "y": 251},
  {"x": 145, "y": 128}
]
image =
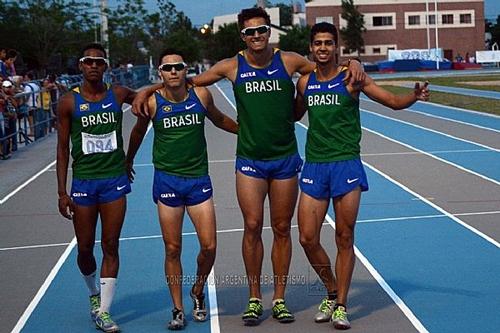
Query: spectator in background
[
  {"x": 47, "y": 87},
  {"x": 56, "y": 90},
  {"x": 33, "y": 99},
  {"x": 7, "y": 64},
  {"x": 10, "y": 105}
]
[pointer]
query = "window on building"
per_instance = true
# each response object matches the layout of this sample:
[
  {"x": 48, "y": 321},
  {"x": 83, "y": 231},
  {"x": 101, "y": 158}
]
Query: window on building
[
  {"x": 379, "y": 21},
  {"x": 376, "y": 50},
  {"x": 432, "y": 19},
  {"x": 414, "y": 20},
  {"x": 465, "y": 18},
  {"x": 447, "y": 18},
  {"x": 328, "y": 19},
  {"x": 391, "y": 48}
]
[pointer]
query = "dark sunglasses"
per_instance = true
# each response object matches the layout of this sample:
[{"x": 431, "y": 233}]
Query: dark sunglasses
[
  {"x": 99, "y": 61},
  {"x": 167, "y": 67},
  {"x": 250, "y": 31}
]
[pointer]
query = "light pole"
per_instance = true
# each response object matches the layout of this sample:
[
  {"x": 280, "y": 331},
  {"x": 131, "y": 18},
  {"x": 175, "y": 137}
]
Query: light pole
[
  {"x": 104, "y": 26},
  {"x": 436, "y": 21}
]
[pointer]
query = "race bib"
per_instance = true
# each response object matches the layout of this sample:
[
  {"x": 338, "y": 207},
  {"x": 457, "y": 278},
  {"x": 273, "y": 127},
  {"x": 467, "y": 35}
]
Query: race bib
[{"x": 99, "y": 143}]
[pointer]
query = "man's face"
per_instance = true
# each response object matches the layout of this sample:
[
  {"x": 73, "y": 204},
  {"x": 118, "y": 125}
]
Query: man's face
[
  {"x": 93, "y": 64},
  {"x": 323, "y": 47},
  {"x": 256, "y": 33},
  {"x": 173, "y": 70},
  {"x": 3, "y": 54},
  {"x": 10, "y": 61}
]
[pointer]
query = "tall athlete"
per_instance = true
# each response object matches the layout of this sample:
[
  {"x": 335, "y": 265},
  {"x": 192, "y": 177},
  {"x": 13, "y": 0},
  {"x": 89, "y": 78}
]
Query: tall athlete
[
  {"x": 333, "y": 168},
  {"x": 267, "y": 161},
  {"x": 90, "y": 117},
  {"x": 181, "y": 180}
]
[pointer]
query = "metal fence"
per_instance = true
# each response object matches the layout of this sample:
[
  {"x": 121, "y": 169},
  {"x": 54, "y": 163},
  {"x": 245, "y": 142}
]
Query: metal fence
[{"x": 36, "y": 115}]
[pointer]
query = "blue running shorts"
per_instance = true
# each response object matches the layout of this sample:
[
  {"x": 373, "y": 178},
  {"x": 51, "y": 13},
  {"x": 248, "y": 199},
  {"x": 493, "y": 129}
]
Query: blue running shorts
[
  {"x": 89, "y": 192},
  {"x": 177, "y": 191},
  {"x": 331, "y": 179},
  {"x": 283, "y": 168}
]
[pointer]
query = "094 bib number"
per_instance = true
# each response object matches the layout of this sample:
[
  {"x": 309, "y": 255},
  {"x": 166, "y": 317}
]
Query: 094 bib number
[{"x": 99, "y": 143}]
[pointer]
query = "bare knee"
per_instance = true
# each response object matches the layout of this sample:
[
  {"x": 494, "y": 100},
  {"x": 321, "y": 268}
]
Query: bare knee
[
  {"x": 253, "y": 228},
  {"x": 173, "y": 251},
  {"x": 281, "y": 228},
  {"x": 308, "y": 242},
  {"x": 344, "y": 238},
  {"x": 208, "y": 250},
  {"x": 110, "y": 247}
]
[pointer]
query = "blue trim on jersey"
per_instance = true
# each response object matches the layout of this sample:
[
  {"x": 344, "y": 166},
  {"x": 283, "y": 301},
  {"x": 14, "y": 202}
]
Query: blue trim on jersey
[
  {"x": 335, "y": 85},
  {"x": 166, "y": 108},
  {"x": 90, "y": 192},
  {"x": 177, "y": 191},
  {"x": 282, "y": 168},
  {"x": 275, "y": 70},
  {"x": 84, "y": 107},
  {"x": 331, "y": 179}
]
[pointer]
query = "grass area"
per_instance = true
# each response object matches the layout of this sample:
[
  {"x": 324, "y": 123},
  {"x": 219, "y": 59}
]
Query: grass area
[
  {"x": 480, "y": 104},
  {"x": 457, "y": 81}
]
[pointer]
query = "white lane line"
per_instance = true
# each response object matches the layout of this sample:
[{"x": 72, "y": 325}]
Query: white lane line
[
  {"x": 380, "y": 280},
  {"x": 212, "y": 297},
  {"x": 430, "y": 152},
  {"x": 443, "y": 118},
  {"x": 33, "y": 304},
  {"x": 26, "y": 183},
  {"x": 431, "y": 130},
  {"x": 492, "y": 115},
  {"x": 225, "y": 96},
  {"x": 226, "y": 231},
  {"x": 433, "y": 156},
  {"x": 451, "y": 216}
]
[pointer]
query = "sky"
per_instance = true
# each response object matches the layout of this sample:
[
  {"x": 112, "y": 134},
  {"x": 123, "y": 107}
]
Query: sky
[{"x": 204, "y": 10}]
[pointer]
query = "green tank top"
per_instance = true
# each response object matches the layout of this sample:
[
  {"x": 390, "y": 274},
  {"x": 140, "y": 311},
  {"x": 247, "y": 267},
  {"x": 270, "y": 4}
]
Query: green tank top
[
  {"x": 179, "y": 146},
  {"x": 334, "y": 125},
  {"x": 96, "y": 137},
  {"x": 264, "y": 101}
]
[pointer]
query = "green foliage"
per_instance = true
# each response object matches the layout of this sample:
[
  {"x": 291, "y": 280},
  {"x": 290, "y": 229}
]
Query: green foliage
[
  {"x": 223, "y": 44},
  {"x": 286, "y": 12},
  {"x": 297, "y": 40},
  {"x": 352, "y": 34},
  {"x": 494, "y": 29}
]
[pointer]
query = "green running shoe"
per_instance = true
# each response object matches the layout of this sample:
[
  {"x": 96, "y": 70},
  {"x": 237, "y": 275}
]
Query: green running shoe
[
  {"x": 281, "y": 313},
  {"x": 339, "y": 318},
  {"x": 95, "y": 305},
  {"x": 325, "y": 311},
  {"x": 104, "y": 322},
  {"x": 253, "y": 312}
]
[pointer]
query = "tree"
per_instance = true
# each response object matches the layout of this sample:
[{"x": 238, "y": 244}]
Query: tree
[
  {"x": 352, "y": 34},
  {"x": 224, "y": 43},
  {"x": 297, "y": 40}
]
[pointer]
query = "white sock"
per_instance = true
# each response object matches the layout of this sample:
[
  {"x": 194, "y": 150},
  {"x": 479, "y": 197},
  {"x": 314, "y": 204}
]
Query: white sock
[
  {"x": 90, "y": 282},
  {"x": 107, "y": 293}
]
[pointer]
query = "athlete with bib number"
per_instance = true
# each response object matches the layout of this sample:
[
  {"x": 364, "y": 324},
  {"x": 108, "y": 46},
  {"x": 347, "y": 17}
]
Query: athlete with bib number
[
  {"x": 90, "y": 117},
  {"x": 333, "y": 168},
  {"x": 181, "y": 180}
]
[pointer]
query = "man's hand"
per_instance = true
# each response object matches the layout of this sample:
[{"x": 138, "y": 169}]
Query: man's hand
[
  {"x": 129, "y": 165},
  {"x": 66, "y": 206},
  {"x": 421, "y": 93},
  {"x": 355, "y": 74},
  {"x": 140, "y": 104}
]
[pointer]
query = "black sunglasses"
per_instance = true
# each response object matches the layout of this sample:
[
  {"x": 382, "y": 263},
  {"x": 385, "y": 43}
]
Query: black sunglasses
[
  {"x": 99, "y": 61},
  {"x": 250, "y": 31},
  {"x": 167, "y": 67}
]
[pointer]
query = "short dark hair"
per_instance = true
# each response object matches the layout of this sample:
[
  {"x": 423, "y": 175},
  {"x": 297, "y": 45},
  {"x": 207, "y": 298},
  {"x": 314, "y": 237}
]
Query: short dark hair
[
  {"x": 11, "y": 54},
  {"x": 94, "y": 46},
  {"x": 30, "y": 76},
  {"x": 169, "y": 51},
  {"x": 324, "y": 27},
  {"x": 249, "y": 13}
]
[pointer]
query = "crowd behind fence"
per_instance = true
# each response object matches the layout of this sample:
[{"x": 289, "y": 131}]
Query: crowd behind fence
[{"x": 30, "y": 114}]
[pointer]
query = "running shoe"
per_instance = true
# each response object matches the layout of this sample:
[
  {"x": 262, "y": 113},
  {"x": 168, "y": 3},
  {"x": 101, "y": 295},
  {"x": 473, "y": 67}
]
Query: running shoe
[
  {"x": 281, "y": 313},
  {"x": 253, "y": 312},
  {"x": 95, "y": 304},
  {"x": 199, "y": 309},
  {"x": 339, "y": 318},
  {"x": 178, "y": 321},
  {"x": 104, "y": 322},
  {"x": 325, "y": 311}
]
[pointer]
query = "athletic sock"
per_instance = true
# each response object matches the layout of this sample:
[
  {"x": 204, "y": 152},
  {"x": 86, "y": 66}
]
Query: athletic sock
[
  {"x": 91, "y": 284},
  {"x": 332, "y": 296},
  {"x": 107, "y": 293}
]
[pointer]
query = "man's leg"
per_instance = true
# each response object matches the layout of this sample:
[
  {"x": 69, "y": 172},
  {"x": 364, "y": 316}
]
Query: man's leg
[
  {"x": 171, "y": 229},
  {"x": 346, "y": 212},
  {"x": 251, "y": 194},
  {"x": 203, "y": 218}
]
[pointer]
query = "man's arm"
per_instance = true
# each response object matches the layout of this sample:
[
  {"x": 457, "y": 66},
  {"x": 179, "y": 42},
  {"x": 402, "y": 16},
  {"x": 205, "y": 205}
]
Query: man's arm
[
  {"x": 136, "y": 137},
  {"x": 140, "y": 102},
  {"x": 64, "y": 111},
  {"x": 225, "y": 68},
  {"x": 218, "y": 118},
  {"x": 295, "y": 63},
  {"x": 396, "y": 102},
  {"x": 124, "y": 94},
  {"x": 300, "y": 108}
]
